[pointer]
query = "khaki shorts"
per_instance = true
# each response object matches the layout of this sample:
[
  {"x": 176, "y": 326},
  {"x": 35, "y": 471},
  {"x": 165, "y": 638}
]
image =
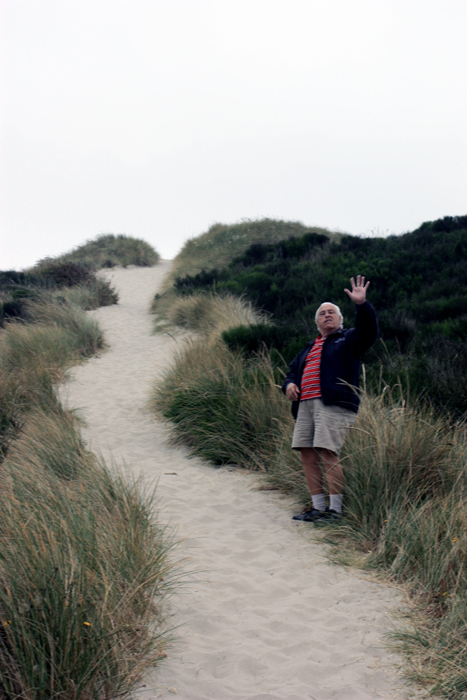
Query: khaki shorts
[{"x": 321, "y": 426}]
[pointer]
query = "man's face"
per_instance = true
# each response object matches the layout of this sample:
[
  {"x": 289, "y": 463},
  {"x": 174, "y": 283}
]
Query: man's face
[{"x": 328, "y": 320}]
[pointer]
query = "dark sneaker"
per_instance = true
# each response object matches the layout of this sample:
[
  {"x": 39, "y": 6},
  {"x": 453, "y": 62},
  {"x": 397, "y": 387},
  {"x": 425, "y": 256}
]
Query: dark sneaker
[
  {"x": 310, "y": 516},
  {"x": 329, "y": 516}
]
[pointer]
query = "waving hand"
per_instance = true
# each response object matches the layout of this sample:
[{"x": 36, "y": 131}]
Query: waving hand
[{"x": 358, "y": 293}]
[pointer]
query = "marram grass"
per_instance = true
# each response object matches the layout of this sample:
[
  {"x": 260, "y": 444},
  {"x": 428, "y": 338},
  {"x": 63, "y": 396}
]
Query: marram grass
[
  {"x": 405, "y": 492},
  {"x": 83, "y": 570},
  {"x": 108, "y": 250},
  {"x": 84, "y": 566},
  {"x": 205, "y": 313}
]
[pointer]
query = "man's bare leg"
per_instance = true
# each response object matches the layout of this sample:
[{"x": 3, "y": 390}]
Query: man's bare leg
[
  {"x": 312, "y": 469},
  {"x": 314, "y": 477},
  {"x": 334, "y": 472},
  {"x": 335, "y": 479}
]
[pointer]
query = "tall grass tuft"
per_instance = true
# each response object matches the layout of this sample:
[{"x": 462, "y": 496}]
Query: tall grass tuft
[
  {"x": 205, "y": 313},
  {"x": 90, "y": 296},
  {"x": 399, "y": 453},
  {"x": 87, "y": 336},
  {"x": 83, "y": 570},
  {"x": 221, "y": 406}
]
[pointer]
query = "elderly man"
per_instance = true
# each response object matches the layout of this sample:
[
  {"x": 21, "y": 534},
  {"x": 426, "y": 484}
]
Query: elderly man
[{"x": 322, "y": 383}]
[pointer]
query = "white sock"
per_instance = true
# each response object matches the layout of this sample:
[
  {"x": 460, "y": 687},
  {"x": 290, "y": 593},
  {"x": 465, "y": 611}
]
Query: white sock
[
  {"x": 335, "y": 502},
  {"x": 319, "y": 502}
]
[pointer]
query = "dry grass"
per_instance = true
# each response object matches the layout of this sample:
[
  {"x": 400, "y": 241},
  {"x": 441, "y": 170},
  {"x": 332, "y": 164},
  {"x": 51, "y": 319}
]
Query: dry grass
[
  {"x": 226, "y": 409},
  {"x": 108, "y": 250},
  {"x": 405, "y": 492},
  {"x": 83, "y": 570},
  {"x": 204, "y": 313},
  {"x": 84, "y": 567}
]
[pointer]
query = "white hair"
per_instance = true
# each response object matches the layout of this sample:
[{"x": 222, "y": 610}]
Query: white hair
[{"x": 336, "y": 307}]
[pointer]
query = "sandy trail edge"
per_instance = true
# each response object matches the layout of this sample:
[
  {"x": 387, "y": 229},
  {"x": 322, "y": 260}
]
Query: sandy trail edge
[{"x": 269, "y": 619}]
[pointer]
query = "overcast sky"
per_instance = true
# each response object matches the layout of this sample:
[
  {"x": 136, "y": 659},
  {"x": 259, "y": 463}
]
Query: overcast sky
[{"x": 157, "y": 118}]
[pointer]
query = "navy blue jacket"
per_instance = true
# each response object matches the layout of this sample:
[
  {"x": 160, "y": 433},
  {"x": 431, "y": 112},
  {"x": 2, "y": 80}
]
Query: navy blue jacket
[{"x": 340, "y": 361}]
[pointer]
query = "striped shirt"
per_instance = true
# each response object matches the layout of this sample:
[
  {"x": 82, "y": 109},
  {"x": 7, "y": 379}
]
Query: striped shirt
[{"x": 310, "y": 387}]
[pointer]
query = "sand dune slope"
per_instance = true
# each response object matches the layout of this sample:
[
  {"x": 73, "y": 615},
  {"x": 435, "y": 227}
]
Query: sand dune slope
[{"x": 265, "y": 617}]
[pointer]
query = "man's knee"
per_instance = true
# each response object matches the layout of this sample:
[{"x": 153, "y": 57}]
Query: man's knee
[
  {"x": 309, "y": 455},
  {"x": 328, "y": 455}
]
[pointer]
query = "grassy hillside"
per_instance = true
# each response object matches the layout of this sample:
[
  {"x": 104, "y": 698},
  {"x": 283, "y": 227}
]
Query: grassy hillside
[
  {"x": 70, "y": 278},
  {"x": 84, "y": 564},
  {"x": 418, "y": 286},
  {"x": 405, "y": 462},
  {"x": 108, "y": 250},
  {"x": 221, "y": 243}
]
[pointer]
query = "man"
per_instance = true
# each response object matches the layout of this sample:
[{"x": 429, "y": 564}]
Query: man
[{"x": 321, "y": 384}]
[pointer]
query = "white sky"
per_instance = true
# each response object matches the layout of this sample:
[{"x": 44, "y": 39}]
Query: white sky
[{"x": 157, "y": 118}]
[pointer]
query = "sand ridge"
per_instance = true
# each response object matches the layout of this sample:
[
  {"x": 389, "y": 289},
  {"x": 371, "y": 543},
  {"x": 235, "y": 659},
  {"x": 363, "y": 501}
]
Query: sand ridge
[{"x": 266, "y": 617}]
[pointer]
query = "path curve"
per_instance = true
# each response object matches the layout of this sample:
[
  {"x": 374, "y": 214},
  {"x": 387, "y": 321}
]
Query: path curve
[{"x": 269, "y": 618}]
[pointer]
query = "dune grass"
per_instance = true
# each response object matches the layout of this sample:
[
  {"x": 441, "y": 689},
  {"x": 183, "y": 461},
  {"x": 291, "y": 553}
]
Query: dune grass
[
  {"x": 204, "y": 313},
  {"x": 108, "y": 250},
  {"x": 222, "y": 243},
  {"x": 220, "y": 405},
  {"x": 83, "y": 570},
  {"x": 84, "y": 566},
  {"x": 35, "y": 356},
  {"x": 90, "y": 296},
  {"x": 57, "y": 284},
  {"x": 405, "y": 490},
  {"x": 86, "y": 335}
]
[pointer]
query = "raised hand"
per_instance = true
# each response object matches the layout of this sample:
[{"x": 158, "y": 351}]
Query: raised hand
[{"x": 358, "y": 293}]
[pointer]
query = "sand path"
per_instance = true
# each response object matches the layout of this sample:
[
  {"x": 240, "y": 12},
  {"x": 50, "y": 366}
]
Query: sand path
[{"x": 268, "y": 618}]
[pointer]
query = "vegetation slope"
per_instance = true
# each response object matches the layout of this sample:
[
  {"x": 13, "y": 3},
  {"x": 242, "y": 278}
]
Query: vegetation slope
[
  {"x": 406, "y": 459},
  {"x": 83, "y": 565},
  {"x": 221, "y": 243},
  {"x": 418, "y": 286},
  {"x": 108, "y": 250}
]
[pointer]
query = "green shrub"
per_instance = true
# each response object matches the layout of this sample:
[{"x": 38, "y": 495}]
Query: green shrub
[
  {"x": 58, "y": 273},
  {"x": 218, "y": 246},
  {"x": 418, "y": 286}
]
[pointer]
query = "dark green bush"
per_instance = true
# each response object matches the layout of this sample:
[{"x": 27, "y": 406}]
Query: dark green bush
[
  {"x": 63, "y": 274},
  {"x": 418, "y": 286}
]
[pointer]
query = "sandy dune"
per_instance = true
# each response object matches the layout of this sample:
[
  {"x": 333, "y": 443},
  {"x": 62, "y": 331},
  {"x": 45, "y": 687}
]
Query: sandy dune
[{"x": 266, "y": 617}]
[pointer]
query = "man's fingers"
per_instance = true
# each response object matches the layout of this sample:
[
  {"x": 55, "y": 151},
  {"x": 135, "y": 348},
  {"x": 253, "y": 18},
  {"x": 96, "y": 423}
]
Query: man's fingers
[{"x": 360, "y": 282}]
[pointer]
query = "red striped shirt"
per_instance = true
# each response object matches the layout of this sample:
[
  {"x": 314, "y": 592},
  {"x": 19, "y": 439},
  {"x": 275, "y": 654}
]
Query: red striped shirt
[{"x": 310, "y": 387}]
